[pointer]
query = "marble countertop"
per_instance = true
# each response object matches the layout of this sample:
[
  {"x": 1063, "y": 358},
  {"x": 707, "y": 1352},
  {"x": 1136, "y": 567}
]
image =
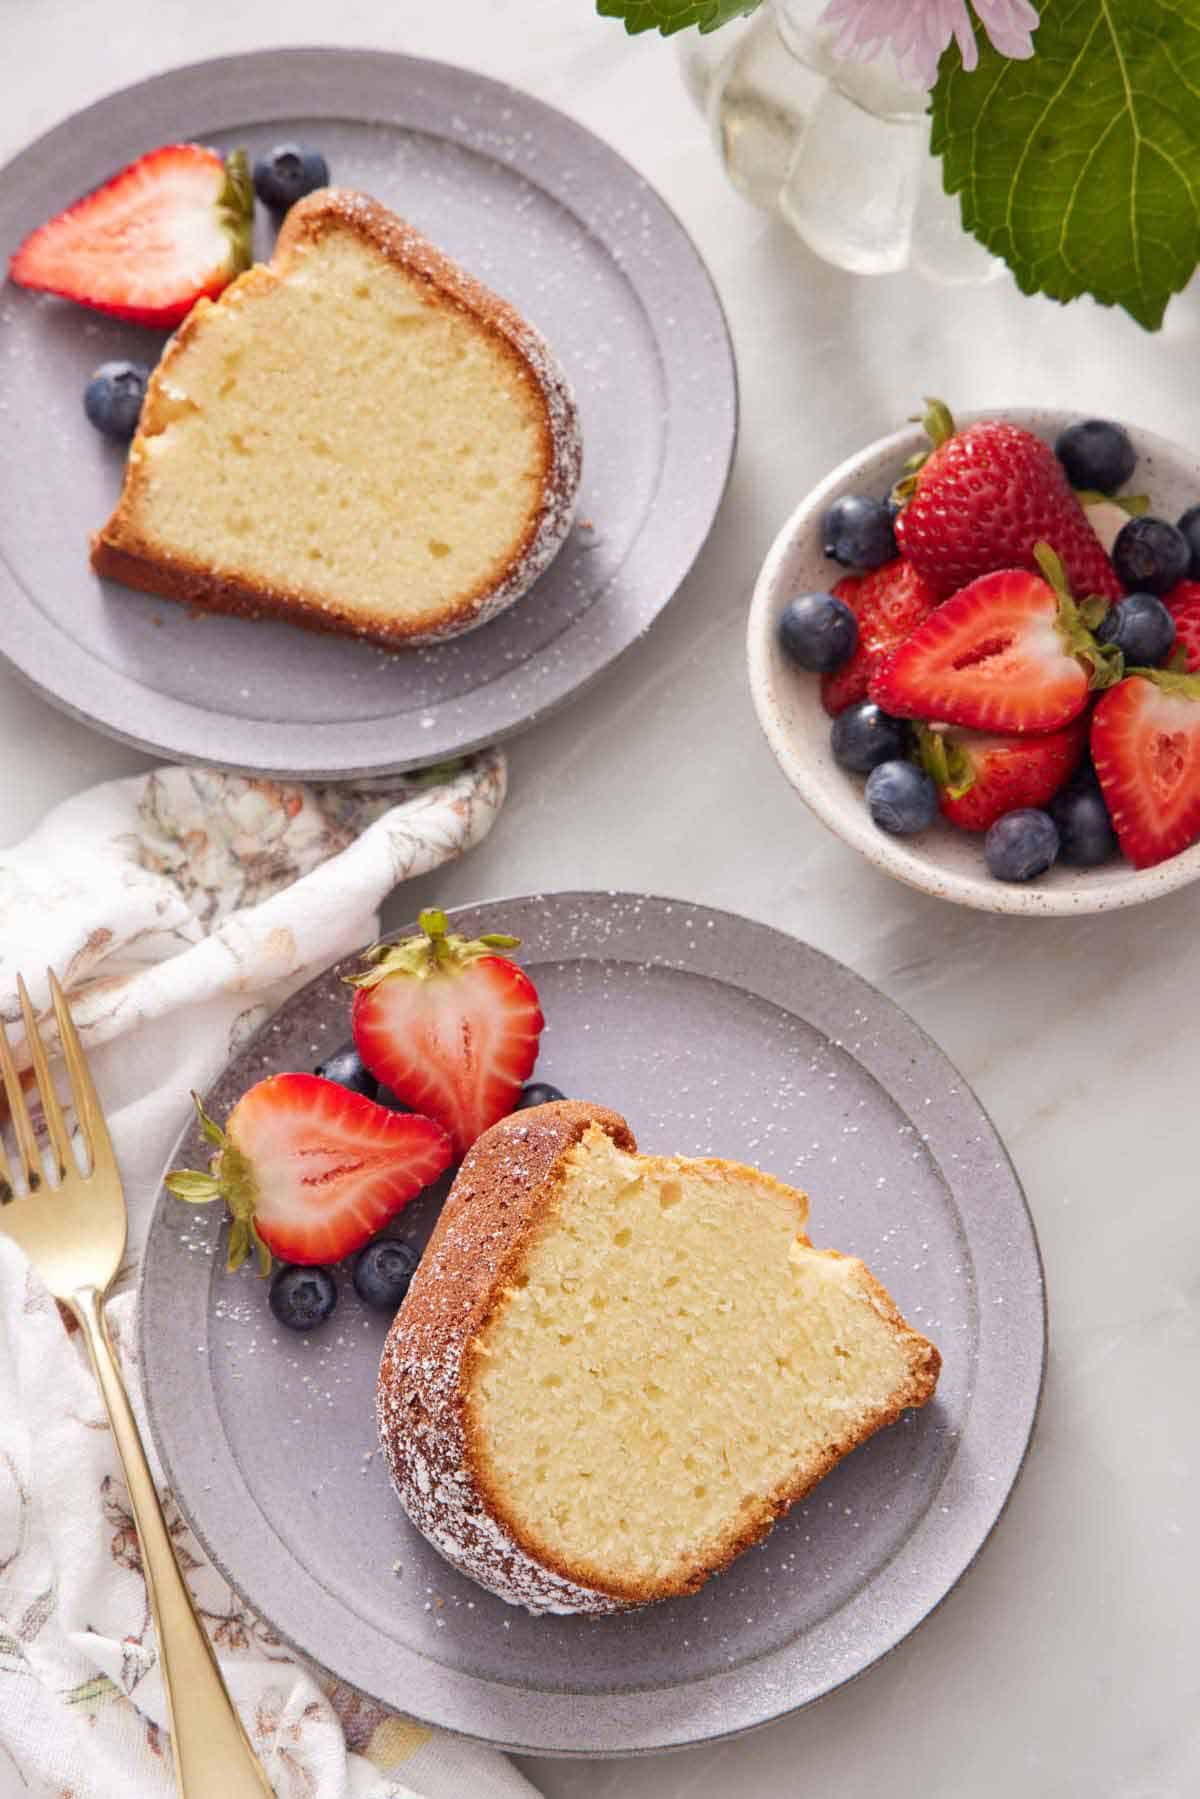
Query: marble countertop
[{"x": 1065, "y": 1663}]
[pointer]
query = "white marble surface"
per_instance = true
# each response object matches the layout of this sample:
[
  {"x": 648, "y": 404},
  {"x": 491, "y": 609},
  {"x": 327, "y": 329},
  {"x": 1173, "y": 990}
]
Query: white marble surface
[{"x": 1065, "y": 1664}]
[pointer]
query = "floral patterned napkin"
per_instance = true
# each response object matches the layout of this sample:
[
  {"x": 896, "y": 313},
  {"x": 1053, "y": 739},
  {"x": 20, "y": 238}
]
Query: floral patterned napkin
[{"x": 179, "y": 909}]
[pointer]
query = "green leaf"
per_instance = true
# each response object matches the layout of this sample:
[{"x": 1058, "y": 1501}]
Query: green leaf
[
  {"x": 1081, "y": 166},
  {"x": 261, "y": 1251},
  {"x": 668, "y": 16},
  {"x": 239, "y": 1244},
  {"x": 209, "y": 1128},
  {"x": 1135, "y": 504},
  {"x": 197, "y": 1189}
]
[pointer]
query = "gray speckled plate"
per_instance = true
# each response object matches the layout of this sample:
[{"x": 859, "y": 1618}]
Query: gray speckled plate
[
  {"x": 713, "y": 1035},
  {"x": 543, "y": 212}
]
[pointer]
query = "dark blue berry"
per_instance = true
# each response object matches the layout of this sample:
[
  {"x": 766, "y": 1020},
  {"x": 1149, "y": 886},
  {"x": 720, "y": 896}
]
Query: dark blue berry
[
  {"x": 1085, "y": 833},
  {"x": 1096, "y": 455},
  {"x": 857, "y": 531},
  {"x": 345, "y": 1067},
  {"x": 301, "y": 1298},
  {"x": 864, "y": 735},
  {"x": 385, "y": 1097},
  {"x": 1189, "y": 529},
  {"x": 113, "y": 398},
  {"x": 1141, "y": 627},
  {"x": 901, "y": 798},
  {"x": 287, "y": 173},
  {"x": 1150, "y": 555},
  {"x": 383, "y": 1272},
  {"x": 538, "y": 1093},
  {"x": 1021, "y": 845},
  {"x": 818, "y": 632}
]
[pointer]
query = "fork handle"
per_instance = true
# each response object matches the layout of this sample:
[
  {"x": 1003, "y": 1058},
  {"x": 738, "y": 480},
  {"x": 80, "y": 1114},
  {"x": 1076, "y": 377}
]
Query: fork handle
[{"x": 213, "y": 1757}]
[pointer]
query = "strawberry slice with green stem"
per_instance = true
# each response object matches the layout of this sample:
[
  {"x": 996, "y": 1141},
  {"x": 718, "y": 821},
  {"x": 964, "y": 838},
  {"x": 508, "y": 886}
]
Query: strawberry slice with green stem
[
  {"x": 173, "y": 226},
  {"x": 451, "y": 1026},
  {"x": 980, "y": 778},
  {"x": 309, "y": 1170},
  {"x": 1146, "y": 749},
  {"x": 1011, "y": 653}
]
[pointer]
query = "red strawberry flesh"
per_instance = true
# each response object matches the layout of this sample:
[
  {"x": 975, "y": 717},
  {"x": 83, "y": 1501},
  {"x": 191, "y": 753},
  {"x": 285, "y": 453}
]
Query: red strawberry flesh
[
  {"x": 889, "y": 603},
  {"x": 1183, "y": 603},
  {"x": 984, "y": 498},
  {"x": 1007, "y": 773},
  {"x": 330, "y": 1167},
  {"x": 450, "y": 1028},
  {"x": 1146, "y": 748},
  {"x": 992, "y": 658},
  {"x": 173, "y": 226}
]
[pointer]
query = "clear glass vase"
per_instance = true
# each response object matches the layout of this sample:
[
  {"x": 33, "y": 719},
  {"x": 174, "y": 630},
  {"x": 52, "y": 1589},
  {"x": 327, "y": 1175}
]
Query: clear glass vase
[{"x": 839, "y": 149}]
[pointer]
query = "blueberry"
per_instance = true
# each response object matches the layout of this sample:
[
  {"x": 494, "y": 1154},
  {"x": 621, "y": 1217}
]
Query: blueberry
[
  {"x": 864, "y": 735},
  {"x": 113, "y": 398},
  {"x": 1150, "y": 555},
  {"x": 288, "y": 173},
  {"x": 901, "y": 798},
  {"x": 384, "y": 1271},
  {"x": 538, "y": 1093},
  {"x": 345, "y": 1067},
  {"x": 1189, "y": 529},
  {"x": 857, "y": 531},
  {"x": 1096, "y": 455},
  {"x": 818, "y": 632},
  {"x": 1141, "y": 626},
  {"x": 1021, "y": 845},
  {"x": 385, "y": 1097},
  {"x": 301, "y": 1298},
  {"x": 1085, "y": 832}
]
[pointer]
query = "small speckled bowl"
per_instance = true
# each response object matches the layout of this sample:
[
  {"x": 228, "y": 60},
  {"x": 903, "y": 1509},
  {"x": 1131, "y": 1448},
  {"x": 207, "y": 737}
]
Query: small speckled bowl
[{"x": 943, "y": 861}]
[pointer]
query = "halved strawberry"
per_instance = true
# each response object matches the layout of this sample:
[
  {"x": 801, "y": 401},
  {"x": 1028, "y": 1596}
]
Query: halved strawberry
[
  {"x": 1146, "y": 748},
  {"x": 310, "y": 1170},
  {"x": 449, "y": 1025},
  {"x": 172, "y": 226},
  {"x": 983, "y": 498},
  {"x": 980, "y": 778},
  {"x": 1183, "y": 603},
  {"x": 889, "y": 603},
  {"x": 1009, "y": 653}
]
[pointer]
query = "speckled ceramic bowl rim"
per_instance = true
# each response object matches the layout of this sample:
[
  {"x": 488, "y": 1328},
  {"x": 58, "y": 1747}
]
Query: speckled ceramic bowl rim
[{"x": 841, "y": 808}]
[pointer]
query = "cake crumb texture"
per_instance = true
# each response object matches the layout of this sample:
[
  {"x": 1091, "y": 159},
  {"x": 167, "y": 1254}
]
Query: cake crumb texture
[
  {"x": 614, "y": 1371},
  {"x": 357, "y": 436}
]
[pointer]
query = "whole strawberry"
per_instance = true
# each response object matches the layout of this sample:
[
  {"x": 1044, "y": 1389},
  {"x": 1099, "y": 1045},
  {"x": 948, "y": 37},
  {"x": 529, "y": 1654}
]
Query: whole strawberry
[
  {"x": 449, "y": 1025},
  {"x": 983, "y": 498},
  {"x": 889, "y": 603}
]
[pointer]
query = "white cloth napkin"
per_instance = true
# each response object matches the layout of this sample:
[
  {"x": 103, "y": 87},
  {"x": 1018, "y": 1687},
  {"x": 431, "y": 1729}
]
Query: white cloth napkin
[{"x": 179, "y": 909}]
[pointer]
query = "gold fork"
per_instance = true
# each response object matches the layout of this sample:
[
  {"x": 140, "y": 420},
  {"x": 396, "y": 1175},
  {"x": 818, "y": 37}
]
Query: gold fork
[{"x": 73, "y": 1231}]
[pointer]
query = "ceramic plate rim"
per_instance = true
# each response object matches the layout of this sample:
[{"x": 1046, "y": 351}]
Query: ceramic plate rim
[
  {"x": 319, "y": 81},
  {"x": 843, "y": 812},
  {"x": 554, "y": 1721}
]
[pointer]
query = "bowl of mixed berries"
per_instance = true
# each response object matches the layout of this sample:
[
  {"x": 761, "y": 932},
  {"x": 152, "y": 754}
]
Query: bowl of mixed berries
[{"x": 974, "y": 651}]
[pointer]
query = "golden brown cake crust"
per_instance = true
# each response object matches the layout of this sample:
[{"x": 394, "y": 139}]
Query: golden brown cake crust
[
  {"x": 120, "y": 553},
  {"x": 508, "y": 1183}
]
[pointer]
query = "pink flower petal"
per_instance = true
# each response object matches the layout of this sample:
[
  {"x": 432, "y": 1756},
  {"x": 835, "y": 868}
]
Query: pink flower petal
[{"x": 917, "y": 31}]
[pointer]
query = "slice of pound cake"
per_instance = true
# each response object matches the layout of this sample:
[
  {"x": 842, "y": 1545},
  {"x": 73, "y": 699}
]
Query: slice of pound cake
[
  {"x": 357, "y": 437},
  {"x": 613, "y": 1372}
]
